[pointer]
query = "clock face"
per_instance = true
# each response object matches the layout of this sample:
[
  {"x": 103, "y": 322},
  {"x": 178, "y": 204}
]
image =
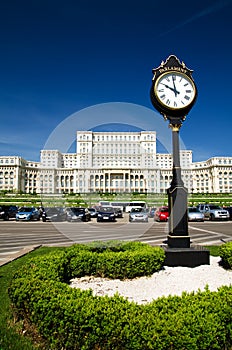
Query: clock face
[{"x": 174, "y": 90}]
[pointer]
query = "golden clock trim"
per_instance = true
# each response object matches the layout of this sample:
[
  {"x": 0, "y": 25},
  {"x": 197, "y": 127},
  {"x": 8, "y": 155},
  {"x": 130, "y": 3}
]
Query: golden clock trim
[{"x": 186, "y": 77}]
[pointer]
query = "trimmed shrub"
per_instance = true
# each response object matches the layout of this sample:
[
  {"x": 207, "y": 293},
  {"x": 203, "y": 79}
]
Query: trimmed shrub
[
  {"x": 115, "y": 260},
  {"x": 225, "y": 251},
  {"x": 72, "y": 319}
]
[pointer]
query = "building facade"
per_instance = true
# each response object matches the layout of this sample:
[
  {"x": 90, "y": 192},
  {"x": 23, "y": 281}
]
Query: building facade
[{"x": 113, "y": 162}]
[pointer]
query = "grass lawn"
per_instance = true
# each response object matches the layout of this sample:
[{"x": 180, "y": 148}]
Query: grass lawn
[{"x": 11, "y": 336}]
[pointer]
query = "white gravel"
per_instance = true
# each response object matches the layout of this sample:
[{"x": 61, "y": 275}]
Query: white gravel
[{"x": 168, "y": 281}]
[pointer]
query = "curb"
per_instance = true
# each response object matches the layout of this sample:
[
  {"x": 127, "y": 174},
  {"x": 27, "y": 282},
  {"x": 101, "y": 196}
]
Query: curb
[{"x": 19, "y": 254}]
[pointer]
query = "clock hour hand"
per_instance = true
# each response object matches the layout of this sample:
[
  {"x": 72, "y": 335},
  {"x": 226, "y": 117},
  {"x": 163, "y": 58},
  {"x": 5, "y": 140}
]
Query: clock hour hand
[{"x": 169, "y": 87}]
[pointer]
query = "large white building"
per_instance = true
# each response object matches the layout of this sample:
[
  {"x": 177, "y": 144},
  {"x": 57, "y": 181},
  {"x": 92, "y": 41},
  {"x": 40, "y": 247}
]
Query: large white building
[{"x": 113, "y": 162}]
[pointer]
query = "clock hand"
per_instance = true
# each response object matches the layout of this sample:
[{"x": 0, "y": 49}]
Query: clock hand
[
  {"x": 169, "y": 87},
  {"x": 175, "y": 91}
]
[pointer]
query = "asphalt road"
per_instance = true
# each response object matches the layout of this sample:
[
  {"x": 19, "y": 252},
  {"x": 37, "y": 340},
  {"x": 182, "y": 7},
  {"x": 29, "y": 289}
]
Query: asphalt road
[{"x": 17, "y": 238}]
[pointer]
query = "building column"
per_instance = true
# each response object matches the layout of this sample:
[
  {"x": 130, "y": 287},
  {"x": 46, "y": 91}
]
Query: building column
[
  {"x": 109, "y": 181},
  {"x": 124, "y": 181},
  {"x": 104, "y": 182}
]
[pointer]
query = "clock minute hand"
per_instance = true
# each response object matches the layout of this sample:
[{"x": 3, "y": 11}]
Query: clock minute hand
[
  {"x": 169, "y": 87},
  {"x": 174, "y": 85}
]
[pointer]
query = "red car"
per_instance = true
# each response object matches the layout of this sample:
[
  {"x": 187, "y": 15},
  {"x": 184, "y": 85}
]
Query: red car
[{"x": 161, "y": 214}]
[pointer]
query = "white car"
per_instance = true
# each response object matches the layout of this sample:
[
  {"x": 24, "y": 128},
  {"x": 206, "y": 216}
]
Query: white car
[
  {"x": 138, "y": 215},
  {"x": 194, "y": 214},
  {"x": 213, "y": 212}
]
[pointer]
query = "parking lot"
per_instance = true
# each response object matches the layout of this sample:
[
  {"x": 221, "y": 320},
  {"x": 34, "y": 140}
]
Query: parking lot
[{"x": 16, "y": 236}]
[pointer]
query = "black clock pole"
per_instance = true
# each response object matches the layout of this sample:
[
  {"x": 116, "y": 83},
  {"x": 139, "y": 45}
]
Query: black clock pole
[
  {"x": 177, "y": 199},
  {"x": 179, "y": 251}
]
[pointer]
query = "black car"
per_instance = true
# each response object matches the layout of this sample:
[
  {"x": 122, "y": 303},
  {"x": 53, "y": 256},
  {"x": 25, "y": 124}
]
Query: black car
[
  {"x": 53, "y": 214},
  {"x": 118, "y": 212},
  {"x": 229, "y": 209},
  {"x": 78, "y": 214},
  {"x": 106, "y": 214},
  {"x": 8, "y": 211},
  {"x": 93, "y": 212}
]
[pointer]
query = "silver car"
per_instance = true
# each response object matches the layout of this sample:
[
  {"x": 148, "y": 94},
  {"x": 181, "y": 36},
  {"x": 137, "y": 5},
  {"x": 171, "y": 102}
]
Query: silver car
[
  {"x": 138, "y": 215},
  {"x": 194, "y": 214},
  {"x": 213, "y": 212}
]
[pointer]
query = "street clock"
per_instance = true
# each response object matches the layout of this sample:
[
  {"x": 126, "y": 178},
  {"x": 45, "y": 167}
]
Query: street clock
[{"x": 173, "y": 91}]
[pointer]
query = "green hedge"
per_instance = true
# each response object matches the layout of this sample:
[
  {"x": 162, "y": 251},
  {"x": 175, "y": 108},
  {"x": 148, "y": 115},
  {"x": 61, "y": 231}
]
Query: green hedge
[
  {"x": 225, "y": 252},
  {"x": 114, "y": 259},
  {"x": 72, "y": 319}
]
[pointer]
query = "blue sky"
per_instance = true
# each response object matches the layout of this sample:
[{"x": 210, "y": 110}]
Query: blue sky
[{"x": 61, "y": 57}]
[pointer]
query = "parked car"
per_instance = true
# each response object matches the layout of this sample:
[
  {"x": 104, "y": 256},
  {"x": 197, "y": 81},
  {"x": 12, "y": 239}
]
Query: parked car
[
  {"x": 152, "y": 212},
  {"x": 229, "y": 209},
  {"x": 8, "y": 211},
  {"x": 27, "y": 214},
  {"x": 118, "y": 212},
  {"x": 3, "y": 213},
  {"x": 138, "y": 215},
  {"x": 78, "y": 214},
  {"x": 194, "y": 214},
  {"x": 106, "y": 214},
  {"x": 93, "y": 212},
  {"x": 213, "y": 212},
  {"x": 53, "y": 214},
  {"x": 161, "y": 214}
]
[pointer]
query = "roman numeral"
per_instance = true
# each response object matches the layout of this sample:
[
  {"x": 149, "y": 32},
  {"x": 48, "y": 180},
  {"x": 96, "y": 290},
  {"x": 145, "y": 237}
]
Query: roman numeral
[
  {"x": 162, "y": 97},
  {"x": 187, "y": 97},
  {"x": 161, "y": 90},
  {"x": 188, "y": 91},
  {"x": 168, "y": 102}
]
